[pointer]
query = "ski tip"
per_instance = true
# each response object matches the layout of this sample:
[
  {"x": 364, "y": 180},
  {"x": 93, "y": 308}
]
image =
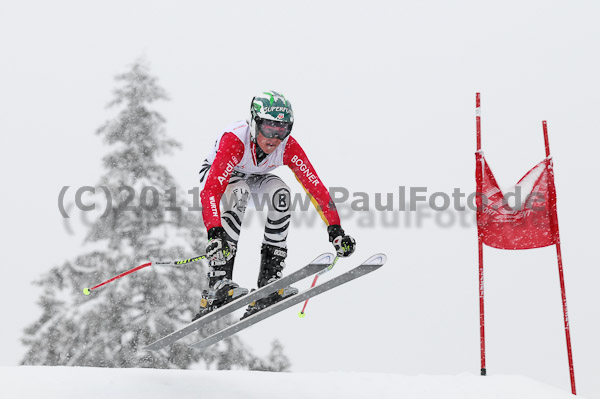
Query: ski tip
[
  {"x": 86, "y": 291},
  {"x": 376, "y": 260},
  {"x": 323, "y": 259}
]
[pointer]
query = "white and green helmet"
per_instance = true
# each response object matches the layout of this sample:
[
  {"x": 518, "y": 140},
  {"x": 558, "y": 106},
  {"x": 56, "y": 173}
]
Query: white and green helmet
[{"x": 271, "y": 114}]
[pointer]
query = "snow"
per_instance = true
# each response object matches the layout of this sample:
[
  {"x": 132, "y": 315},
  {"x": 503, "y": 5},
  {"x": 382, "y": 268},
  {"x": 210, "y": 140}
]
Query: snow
[
  {"x": 77, "y": 382},
  {"x": 399, "y": 80}
]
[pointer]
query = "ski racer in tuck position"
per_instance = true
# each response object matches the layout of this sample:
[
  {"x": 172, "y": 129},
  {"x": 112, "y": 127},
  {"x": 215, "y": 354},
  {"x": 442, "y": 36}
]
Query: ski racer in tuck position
[{"x": 238, "y": 166}]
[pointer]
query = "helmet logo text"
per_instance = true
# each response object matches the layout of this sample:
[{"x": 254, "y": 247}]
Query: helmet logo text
[{"x": 277, "y": 109}]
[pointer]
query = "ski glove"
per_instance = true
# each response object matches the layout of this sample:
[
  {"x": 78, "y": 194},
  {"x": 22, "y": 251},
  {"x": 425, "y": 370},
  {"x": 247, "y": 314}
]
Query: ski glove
[
  {"x": 344, "y": 244},
  {"x": 217, "y": 248}
]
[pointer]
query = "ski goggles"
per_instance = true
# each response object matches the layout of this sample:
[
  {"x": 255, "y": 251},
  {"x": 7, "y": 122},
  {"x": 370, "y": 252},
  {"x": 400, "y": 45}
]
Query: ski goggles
[{"x": 274, "y": 130}]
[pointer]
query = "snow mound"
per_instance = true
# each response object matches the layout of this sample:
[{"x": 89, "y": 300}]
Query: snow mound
[{"x": 91, "y": 383}]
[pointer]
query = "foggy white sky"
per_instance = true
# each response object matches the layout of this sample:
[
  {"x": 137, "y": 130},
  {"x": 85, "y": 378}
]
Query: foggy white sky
[{"x": 383, "y": 94}]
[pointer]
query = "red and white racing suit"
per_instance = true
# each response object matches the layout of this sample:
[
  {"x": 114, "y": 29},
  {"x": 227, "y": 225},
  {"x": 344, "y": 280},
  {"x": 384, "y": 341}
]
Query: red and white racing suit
[{"x": 231, "y": 173}]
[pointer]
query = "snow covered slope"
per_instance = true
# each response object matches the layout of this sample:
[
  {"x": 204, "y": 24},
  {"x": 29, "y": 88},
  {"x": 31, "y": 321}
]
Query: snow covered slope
[{"x": 92, "y": 383}]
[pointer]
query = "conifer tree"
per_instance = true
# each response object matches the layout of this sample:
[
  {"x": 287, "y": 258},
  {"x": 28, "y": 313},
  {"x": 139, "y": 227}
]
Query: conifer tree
[{"x": 147, "y": 219}]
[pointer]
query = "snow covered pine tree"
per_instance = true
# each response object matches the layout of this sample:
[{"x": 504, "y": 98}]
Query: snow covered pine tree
[{"x": 107, "y": 328}]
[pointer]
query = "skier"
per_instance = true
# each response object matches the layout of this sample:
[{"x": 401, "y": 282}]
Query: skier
[{"x": 238, "y": 166}]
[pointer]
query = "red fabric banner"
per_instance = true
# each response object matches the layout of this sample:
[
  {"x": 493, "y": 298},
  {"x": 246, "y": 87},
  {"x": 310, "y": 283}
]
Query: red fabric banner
[{"x": 531, "y": 222}]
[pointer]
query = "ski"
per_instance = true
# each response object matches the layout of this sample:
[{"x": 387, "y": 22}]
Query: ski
[
  {"x": 370, "y": 265},
  {"x": 321, "y": 262}
]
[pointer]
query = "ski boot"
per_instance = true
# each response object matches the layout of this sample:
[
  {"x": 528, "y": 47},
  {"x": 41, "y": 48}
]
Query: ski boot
[
  {"x": 271, "y": 266},
  {"x": 222, "y": 289}
]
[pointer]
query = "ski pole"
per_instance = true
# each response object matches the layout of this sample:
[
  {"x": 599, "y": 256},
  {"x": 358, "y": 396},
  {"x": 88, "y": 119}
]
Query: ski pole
[
  {"x": 88, "y": 291},
  {"x": 328, "y": 268}
]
